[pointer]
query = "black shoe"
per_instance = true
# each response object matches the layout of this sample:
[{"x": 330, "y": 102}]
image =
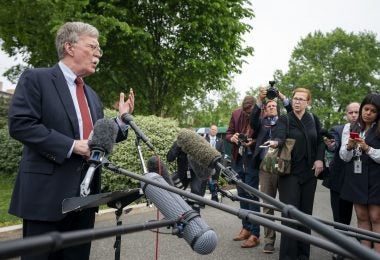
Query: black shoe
[
  {"x": 268, "y": 248},
  {"x": 337, "y": 257},
  {"x": 215, "y": 198}
]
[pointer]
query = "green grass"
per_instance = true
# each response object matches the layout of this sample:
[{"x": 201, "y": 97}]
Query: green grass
[{"x": 6, "y": 187}]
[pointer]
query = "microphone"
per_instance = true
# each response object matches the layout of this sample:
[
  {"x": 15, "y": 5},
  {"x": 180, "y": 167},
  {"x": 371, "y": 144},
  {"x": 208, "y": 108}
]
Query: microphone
[
  {"x": 128, "y": 119},
  {"x": 198, "y": 148},
  {"x": 101, "y": 142},
  {"x": 201, "y": 152},
  {"x": 152, "y": 166},
  {"x": 196, "y": 232},
  {"x": 201, "y": 171}
]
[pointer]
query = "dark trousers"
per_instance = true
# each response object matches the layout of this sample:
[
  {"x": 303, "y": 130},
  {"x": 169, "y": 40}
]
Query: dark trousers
[
  {"x": 73, "y": 221},
  {"x": 249, "y": 176},
  {"x": 197, "y": 185},
  {"x": 341, "y": 209},
  {"x": 299, "y": 193}
]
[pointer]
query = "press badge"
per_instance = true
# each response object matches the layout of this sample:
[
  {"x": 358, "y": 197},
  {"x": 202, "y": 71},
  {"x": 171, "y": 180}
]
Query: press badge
[
  {"x": 358, "y": 166},
  {"x": 188, "y": 174}
]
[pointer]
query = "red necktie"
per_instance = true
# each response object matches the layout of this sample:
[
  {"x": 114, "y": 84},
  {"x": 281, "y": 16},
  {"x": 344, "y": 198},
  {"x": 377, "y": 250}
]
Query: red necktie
[{"x": 84, "y": 110}]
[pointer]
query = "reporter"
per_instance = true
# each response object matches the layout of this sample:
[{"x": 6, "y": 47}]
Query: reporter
[
  {"x": 362, "y": 180},
  {"x": 263, "y": 122},
  {"x": 242, "y": 163},
  {"x": 298, "y": 188}
]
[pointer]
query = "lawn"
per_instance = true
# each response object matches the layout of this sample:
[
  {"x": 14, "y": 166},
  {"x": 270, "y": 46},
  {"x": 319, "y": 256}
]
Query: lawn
[{"x": 6, "y": 186}]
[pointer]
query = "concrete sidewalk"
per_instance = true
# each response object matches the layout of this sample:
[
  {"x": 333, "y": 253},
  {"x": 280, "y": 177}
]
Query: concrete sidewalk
[{"x": 142, "y": 245}]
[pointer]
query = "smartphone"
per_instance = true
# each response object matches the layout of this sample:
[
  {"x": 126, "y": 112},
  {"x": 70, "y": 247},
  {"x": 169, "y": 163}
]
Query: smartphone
[
  {"x": 265, "y": 145},
  {"x": 354, "y": 135}
]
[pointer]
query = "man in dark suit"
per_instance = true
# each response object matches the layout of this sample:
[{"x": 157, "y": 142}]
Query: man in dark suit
[
  {"x": 52, "y": 115},
  {"x": 341, "y": 209},
  {"x": 218, "y": 144}
]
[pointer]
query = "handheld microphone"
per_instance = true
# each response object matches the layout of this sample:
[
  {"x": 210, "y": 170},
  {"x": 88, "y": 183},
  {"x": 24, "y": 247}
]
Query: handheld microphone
[
  {"x": 128, "y": 119},
  {"x": 198, "y": 148},
  {"x": 101, "y": 143},
  {"x": 152, "y": 166},
  {"x": 196, "y": 232}
]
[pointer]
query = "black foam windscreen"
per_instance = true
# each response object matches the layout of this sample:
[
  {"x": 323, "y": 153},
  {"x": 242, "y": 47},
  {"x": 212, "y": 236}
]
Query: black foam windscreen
[
  {"x": 197, "y": 147},
  {"x": 197, "y": 233},
  {"x": 152, "y": 166},
  {"x": 103, "y": 135}
]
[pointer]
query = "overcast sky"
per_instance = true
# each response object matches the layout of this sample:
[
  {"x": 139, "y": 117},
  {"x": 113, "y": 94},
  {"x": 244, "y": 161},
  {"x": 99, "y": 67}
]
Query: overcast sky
[{"x": 279, "y": 25}]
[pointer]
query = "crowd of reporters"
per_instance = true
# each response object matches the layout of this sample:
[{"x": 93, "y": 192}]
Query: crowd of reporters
[{"x": 348, "y": 166}]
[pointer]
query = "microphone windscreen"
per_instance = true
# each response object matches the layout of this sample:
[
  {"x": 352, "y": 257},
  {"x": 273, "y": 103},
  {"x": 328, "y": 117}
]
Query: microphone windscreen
[
  {"x": 202, "y": 172},
  {"x": 197, "y": 147},
  {"x": 103, "y": 135},
  {"x": 197, "y": 233},
  {"x": 152, "y": 166}
]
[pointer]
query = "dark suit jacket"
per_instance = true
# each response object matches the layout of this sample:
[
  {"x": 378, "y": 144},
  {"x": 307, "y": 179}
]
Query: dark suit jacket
[
  {"x": 261, "y": 132},
  {"x": 42, "y": 116},
  {"x": 309, "y": 145},
  {"x": 219, "y": 145},
  {"x": 335, "y": 177}
]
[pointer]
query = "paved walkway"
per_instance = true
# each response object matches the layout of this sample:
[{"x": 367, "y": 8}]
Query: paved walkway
[{"x": 142, "y": 245}]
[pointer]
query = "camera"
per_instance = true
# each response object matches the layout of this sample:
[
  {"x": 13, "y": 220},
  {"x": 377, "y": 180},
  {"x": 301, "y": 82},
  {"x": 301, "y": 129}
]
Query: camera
[
  {"x": 243, "y": 138},
  {"x": 272, "y": 92}
]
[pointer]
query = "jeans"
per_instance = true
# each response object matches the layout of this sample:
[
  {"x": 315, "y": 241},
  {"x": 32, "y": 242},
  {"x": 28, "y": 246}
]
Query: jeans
[{"x": 249, "y": 176}]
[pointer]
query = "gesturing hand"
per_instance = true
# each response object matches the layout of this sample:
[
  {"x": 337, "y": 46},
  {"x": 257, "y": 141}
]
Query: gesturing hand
[{"x": 127, "y": 106}]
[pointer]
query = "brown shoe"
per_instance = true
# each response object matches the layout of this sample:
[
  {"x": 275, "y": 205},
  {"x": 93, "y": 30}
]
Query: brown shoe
[
  {"x": 252, "y": 241},
  {"x": 243, "y": 235}
]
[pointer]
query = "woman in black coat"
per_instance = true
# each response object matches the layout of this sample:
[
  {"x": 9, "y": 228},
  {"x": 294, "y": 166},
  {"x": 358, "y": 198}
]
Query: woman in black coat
[
  {"x": 298, "y": 188},
  {"x": 362, "y": 180}
]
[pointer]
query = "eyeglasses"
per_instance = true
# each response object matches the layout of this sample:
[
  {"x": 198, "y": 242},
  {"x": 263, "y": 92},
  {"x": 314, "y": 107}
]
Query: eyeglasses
[
  {"x": 299, "y": 100},
  {"x": 95, "y": 47}
]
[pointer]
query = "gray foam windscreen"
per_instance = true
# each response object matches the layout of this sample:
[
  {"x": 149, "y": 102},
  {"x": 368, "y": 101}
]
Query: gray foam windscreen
[
  {"x": 196, "y": 233},
  {"x": 197, "y": 147}
]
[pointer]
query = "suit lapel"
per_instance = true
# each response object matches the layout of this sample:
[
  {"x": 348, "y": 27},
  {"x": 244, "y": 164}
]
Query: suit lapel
[{"x": 63, "y": 91}]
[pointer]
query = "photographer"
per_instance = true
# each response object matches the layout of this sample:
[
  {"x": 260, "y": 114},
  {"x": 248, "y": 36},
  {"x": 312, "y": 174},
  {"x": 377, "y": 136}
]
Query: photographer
[
  {"x": 263, "y": 122},
  {"x": 239, "y": 134}
]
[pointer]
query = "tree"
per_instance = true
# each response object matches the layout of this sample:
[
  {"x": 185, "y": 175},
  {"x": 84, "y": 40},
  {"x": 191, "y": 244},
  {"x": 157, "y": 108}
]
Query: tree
[
  {"x": 337, "y": 67},
  {"x": 166, "y": 50},
  {"x": 213, "y": 108}
]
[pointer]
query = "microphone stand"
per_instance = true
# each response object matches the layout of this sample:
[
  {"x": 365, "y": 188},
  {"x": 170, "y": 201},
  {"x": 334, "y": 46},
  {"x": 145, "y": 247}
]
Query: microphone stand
[
  {"x": 292, "y": 212},
  {"x": 246, "y": 214},
  {"x": 139, "y": 152},
  {"x": 342, "y": 228},
  {"x": 54, "y": 241}
]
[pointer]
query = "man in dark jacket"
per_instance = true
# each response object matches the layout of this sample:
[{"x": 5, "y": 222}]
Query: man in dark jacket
[
  {"x": 52, "y": 113},
  {"x": 341, "y": 209},
  {"x": 218, "y": 144},
  {"x": 263, "y": 123},
  {"x": 239, "y": 134}
]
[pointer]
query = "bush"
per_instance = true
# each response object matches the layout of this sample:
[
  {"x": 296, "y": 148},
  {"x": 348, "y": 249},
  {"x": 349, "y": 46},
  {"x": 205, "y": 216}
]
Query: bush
[
  {"x": 161, "y": 132},
  {"x": 10, "y": 153}
]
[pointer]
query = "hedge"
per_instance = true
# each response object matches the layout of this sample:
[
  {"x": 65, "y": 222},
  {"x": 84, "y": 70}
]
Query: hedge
[{"x": 161, "y": 131}]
